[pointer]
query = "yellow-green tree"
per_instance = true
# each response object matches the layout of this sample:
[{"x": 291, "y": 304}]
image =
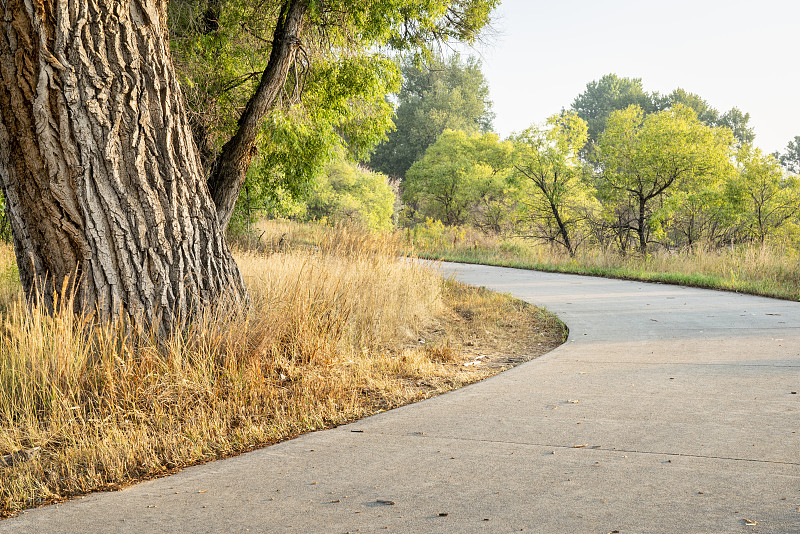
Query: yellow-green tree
[
  {"x": 769, "y": 199},
  {"x": 644, "y": 159},
  {"x": 553, "y": 196},
  {"x": 348, "y": 193},
  {"x": 461, "y": 179},
  {"x": 701, "y": 212}
]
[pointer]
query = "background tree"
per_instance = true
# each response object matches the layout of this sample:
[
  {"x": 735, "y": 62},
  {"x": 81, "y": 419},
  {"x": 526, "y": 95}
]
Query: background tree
[
  {"x": 704, "y": 111},
  {"x": 348, "y": 193},
  {"x": 737, "y": 122},
  {"x": 444, "y": 93},
  {"x": 644, "y": 158},
  {"x": 492, "y": 211},
  {"x": 606, "y": 95},
  {"x": 612, "y": 93},
  {"x": 549, "y": 174},
  {"x": 456, "y": 175},
  {"x": 103, "y": 181},
  {"x": 769, "y": 199},
  {"x": 700, "y": 211},
  {"x": 734, "y": 119},
  {"x": 790, "y": 159}
]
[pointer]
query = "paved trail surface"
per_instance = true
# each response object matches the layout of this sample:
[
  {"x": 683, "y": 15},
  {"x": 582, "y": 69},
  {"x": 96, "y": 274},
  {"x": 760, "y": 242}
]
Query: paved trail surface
[{"x": 668, "y": 410}]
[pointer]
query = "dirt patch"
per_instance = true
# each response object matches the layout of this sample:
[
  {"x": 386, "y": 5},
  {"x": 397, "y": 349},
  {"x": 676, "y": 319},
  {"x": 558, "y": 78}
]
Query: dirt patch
[{"x": 490, "y": 331}]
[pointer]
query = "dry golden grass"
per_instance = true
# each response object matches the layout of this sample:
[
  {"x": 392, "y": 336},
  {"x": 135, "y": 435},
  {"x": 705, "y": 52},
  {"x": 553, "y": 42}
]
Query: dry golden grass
[{"x": 333, "y": 334}]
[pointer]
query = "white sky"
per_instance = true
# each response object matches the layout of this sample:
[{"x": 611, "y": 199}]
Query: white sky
[{"x": 730, "y": 52}]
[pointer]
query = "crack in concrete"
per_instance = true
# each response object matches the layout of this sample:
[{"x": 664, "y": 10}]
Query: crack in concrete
[
  {"x": 686, "y": 364},
  {"x": 603, "y": 449}
]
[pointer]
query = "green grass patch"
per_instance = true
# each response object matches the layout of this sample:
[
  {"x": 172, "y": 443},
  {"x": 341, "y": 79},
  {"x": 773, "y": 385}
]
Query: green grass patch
[{"x": 763, "y": 271}]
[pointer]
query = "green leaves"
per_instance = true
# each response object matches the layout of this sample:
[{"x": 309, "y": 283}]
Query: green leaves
[
  {"x": 347, "y": 193},
  {"x": 553, "y": 195},
  {"x": 769, "y": 201},
  {"x": 612, "y": 93},
  {"x": 645, "y": 159},
  {"x": 333, "y": 97},
  {"x": 403, "y": 24},
  {"x": 448, "y": 93},
  {"x": 461, "y": 178},
  {"x": 790, "y": 159}
]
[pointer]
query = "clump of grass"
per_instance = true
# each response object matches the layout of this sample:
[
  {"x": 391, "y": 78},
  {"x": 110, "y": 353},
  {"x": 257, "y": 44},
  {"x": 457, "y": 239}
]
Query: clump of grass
[
  {"x": 10, "y": 287},
  {"x": 279, "y": 235},
  {"x": 333, "y": 334},
  {"x": 495, "y": 326}
]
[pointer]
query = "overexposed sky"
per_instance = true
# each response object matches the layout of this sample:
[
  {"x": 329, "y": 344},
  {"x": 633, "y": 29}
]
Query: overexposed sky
[{"x": 730, "y": 52}]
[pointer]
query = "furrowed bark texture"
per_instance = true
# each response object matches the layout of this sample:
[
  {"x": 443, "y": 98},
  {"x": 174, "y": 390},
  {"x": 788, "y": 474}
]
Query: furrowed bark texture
[
  {"x": 101, "y": 176},
  {"x": 230, "y": 168}
]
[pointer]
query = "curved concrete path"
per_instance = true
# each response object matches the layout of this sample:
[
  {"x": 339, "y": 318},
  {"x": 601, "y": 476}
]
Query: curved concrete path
[{"x": 668, "y": 410}]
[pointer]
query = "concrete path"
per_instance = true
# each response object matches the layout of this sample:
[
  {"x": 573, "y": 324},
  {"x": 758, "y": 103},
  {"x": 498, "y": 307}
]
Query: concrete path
[{"x": 668, "y": 410}]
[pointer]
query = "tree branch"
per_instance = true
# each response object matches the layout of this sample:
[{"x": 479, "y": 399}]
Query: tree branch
[{"x": 230, "y": 168}]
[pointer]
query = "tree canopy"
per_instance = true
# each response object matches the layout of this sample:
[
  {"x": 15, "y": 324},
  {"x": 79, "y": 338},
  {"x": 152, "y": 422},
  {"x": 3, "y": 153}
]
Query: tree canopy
[
  {"x": 348, "y": 193},
  {"x": 613, "y": 93},
  {"x": 606, "y": 95},
  {"x": 770, "y": 199},
  {"x": 790, "y": 158},
  {"x": 443, "y": 93},
  {"x": 645, "y": 157},
  {"x": 459, "y": 179},
  {"x": 549, "y": 178}
]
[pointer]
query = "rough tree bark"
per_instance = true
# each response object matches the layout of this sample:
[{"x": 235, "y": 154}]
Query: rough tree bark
[
  {"x": 230, "y": 168},
  {"x": 101, "y": 176}
]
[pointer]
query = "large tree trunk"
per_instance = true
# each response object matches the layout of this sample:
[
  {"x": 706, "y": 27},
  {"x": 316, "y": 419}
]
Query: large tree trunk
[
  {"x": 101, "y": 176},
  {"x": 230, "y": 168}
]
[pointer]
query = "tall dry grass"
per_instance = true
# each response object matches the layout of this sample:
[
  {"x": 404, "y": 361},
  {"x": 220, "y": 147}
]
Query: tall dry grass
[{"x": 86, "y": 406}]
